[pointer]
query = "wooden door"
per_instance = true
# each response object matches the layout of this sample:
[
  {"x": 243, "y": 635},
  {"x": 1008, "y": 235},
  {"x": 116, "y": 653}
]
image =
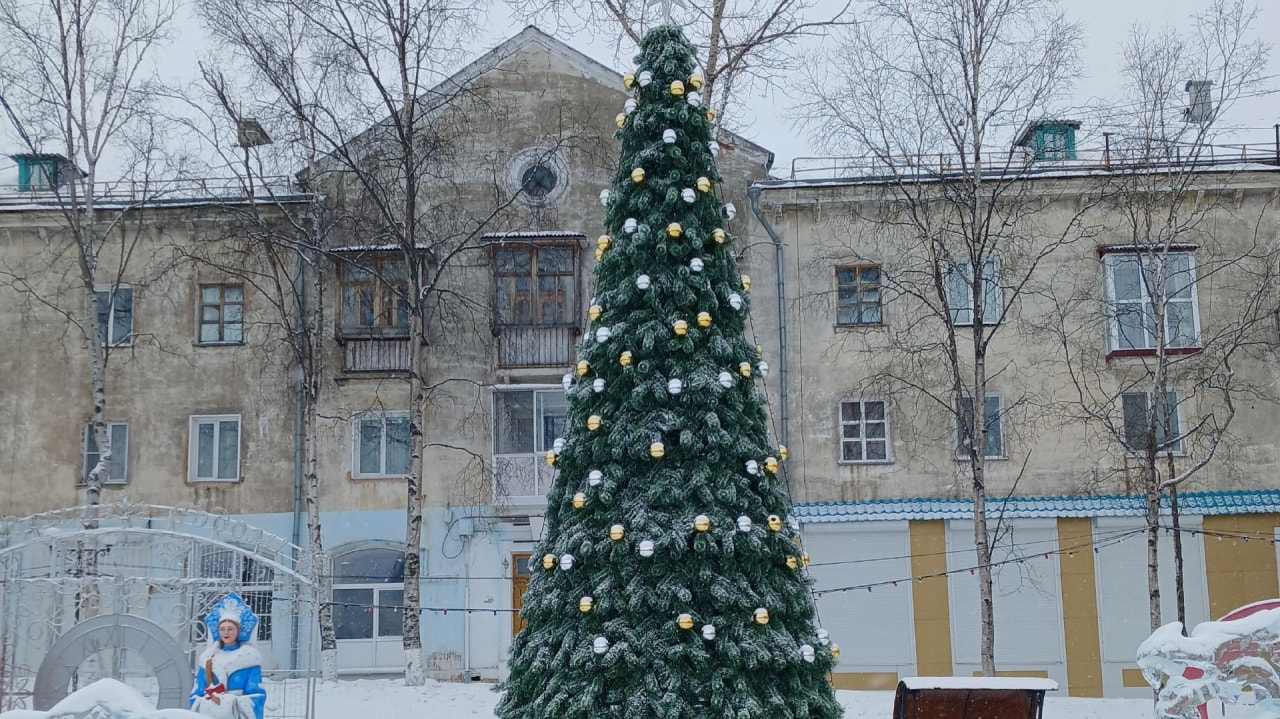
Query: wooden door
[{"x": 519, "y": 583}]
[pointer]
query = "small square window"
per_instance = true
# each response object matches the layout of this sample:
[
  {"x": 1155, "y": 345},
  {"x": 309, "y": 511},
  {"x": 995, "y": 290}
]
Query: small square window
[
  {"x": 858, "y": 295},
  {"x": 118, "y": 470},
  {"x": 381, "y": 445},
  {"x": 221, "y": 319},
  {"x": 864, "y": 432},
  {"x": 994, "y": 424},
  {"x": 213, "y": 452}
]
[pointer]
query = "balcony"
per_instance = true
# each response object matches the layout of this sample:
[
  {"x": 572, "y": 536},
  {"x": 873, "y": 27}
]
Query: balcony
[
  {"x": 375, "y": 354},
  {"x": 535, "y": 346}
]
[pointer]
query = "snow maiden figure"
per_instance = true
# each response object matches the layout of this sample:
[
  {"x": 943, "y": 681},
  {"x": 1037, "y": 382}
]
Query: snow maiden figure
[{"x": 229, "y": 673}]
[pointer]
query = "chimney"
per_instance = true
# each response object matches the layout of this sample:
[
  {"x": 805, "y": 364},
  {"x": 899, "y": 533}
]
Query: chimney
[{"x": 1199, "y": 101}]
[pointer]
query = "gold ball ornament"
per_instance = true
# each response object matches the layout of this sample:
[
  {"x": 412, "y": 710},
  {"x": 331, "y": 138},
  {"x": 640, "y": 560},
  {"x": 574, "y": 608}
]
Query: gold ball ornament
[
  {"x": 704, "y": 319},
  {"x": 674, "y": 229},
  {"x": 684, "y": 621},
  {"x": 594, "y": 312},
  {"x": 746, "y": 282},
  {"x": 586, "y": 604},
  {"x": 804, "y": 560},
  {"x": 583, "y": 368},
  {"x": 681, "y": 328},
  {"x": 711, "y": 115},
  {"x": 551, "y": 458},
  {"x": 703, "y": 184},
  {"x": 782, "y": 452},
  {"x": 677, "y": 88},
  {"x": 616, "y": 533},
  {"x": 548, "y": 561},
  {"x": 760, "y": 353},
  {"x": 629, "y": 80},
  {"x": 620, "y": 119},
  {"x": 771, "y": 465},
  {"x": 579, "y": 500},
  {"x": 599, "y": 255},
  {"x": 702, "y": 523},
  {"x": 760, "y": 616},
  {"x": 637, "y": 175},
  {"x": 792, "y": 563},
  {"x": 594, "y": 422},
  {"x": 657, "y": 450},
  {"x": 774, "y": 523},
  {"x": 719, "y": 236},
  {"x": 625, "y": 359},
  {"x": 744, "y": 369},
  {"x": 835, "y": 652},
  {"x": 695, "y": 82},
  {"x": 603, "y": 242}
]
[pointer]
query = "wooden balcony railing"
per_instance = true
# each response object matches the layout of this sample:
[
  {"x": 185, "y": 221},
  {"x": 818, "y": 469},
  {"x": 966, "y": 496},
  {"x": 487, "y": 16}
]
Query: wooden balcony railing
[
  {"x": 535, "y": 346},
  {"x": 375, "y": 355}
]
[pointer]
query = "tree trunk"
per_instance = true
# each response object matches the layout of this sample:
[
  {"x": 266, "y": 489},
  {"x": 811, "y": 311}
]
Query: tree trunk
[
  {"x": 414, "y": 674},
  {"x": 1153, "y": 548},
  {"x": 1178, "y": 586}
]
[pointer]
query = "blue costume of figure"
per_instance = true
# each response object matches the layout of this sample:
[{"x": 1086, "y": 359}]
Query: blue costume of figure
[{"x": 236, "y": 670}]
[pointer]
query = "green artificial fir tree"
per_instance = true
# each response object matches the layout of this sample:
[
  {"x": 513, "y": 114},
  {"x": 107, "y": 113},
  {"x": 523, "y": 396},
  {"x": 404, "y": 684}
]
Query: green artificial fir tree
[{"x": 670, "y": 583}]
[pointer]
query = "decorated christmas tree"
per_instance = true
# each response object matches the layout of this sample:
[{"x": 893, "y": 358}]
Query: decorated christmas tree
[{"x": 670, "y": 582}]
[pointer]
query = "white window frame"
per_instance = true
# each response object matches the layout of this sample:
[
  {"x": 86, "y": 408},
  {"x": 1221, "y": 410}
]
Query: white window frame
[
  {"x": 382, "y": 449},
  {"x": 961, "y": 454},
  {"x": 962, "y": 314},
  {"x": 1109, "y": 262},
  {"x": 862, "y": 439},
  {"x": 1179, "y": 448},
  {"x": 538, "y": 456},
  {"x": 193, "y": 445},
  {"x": 109, "y": 331},
  {"x": 87, "y": 435}
]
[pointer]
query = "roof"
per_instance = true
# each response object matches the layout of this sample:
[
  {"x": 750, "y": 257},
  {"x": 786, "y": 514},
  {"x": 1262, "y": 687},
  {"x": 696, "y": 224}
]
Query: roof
[
  {"x": 589, "y": 66},
  {"x": 841, "y": 174},
  {"x": 1007, "y": 683},
  {"x": 1132, "y": 505},
  {"x": 27, "y": 202}
]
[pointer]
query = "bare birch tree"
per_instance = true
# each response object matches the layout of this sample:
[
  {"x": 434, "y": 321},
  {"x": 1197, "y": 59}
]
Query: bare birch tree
[
  {"x": 1167, "y": 392},
  {"x": 363, "y": 87},
  {"x": 75, "y": 90},
  {"x": 926, "y": 92},
  {"x": 738, "y": 42}
]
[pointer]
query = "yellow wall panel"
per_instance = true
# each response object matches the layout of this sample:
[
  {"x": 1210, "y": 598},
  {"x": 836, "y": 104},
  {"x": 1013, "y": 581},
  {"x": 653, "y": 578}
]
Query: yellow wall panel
[
  {"x": 1240, "y": 572},
  {"x": 865, "y": 681},
  {"x": 1080, "y": 608},
  {"x": 929, "y": 599}
]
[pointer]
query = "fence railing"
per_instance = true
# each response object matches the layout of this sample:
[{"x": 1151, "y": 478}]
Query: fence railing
[
  {"x": 1019, "y": 160},
  {"x": 155, "y": 190}
]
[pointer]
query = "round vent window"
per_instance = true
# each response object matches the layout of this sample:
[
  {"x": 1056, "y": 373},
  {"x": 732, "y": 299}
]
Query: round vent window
[
  {"x": 539, "y": 181},
  {"x": 539, "y": 175}
]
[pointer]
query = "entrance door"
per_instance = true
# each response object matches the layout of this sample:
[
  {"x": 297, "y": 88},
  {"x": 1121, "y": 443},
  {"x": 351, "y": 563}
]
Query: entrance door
[
  {"x": 368, "y": 614},
  {"x": 519, "y": 583}
]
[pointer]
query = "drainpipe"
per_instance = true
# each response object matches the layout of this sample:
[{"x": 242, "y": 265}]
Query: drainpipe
[{"x": 753, "y": 193}]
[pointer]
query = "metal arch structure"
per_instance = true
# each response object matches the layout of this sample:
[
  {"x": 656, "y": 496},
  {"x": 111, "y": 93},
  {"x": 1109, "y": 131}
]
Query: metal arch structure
[{"x": 72, "y": 582}]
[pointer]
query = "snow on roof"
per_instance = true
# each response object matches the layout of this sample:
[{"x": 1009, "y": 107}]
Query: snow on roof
[
  {"x": 27, "y": 203},
  {"x": 1058, "y": 169},
  {"x": 1192, "y": 503},
  {"x": 970, "y": 683},
  {"x": 530, "y": 235}
]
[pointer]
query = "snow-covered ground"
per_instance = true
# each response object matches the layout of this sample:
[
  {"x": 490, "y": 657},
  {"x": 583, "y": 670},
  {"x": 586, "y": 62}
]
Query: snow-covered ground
[{"x": 388, "y": 697}]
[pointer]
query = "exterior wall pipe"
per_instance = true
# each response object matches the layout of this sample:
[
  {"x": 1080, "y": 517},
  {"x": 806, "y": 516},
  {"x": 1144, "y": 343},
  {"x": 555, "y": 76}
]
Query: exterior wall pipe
[{"x": 753, "y": 193}]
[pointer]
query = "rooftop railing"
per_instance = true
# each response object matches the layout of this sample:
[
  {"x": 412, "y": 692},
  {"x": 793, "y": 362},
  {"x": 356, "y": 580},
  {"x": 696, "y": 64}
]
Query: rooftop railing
[{"x": 158, "y": 191}]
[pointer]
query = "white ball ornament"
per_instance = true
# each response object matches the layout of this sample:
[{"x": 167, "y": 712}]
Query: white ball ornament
[
  {"x": 744, "y": 523},
  {"x": 730, "y": 211},
  {"x": 669, "y": 136},
  {"x": 646, "y": 548},
  {"x": 708, "y": 631},
  {"x": 763, "y": 367},
  {"x": 675, "y": 386},
  {"x": 604, "y": 197},
  {"x": 823, "y": 637},
  {"x": 558, "y": 445},
  {"x": 597, "y": 385},
  {"x": 630, "y": 225},
  {"x": 726, "y": 380},
  {"x": 753, "y": 467},
  {"x": 642, "y": 282},
  {"x": 645, "y": 78},
  {"x": 603, "y": 334},
  {"x": 696, "y": 264},
  {"x": 566, "y": 561},
  {"x": 694, "y": 99},
  {"x": 630, "y": 106},
  {"x": 806, "y": 653},
  {"x": 594, "y": 477},
  {"x": 566, "y": 381},
  {"x": 600, "y": 645},
  {"x": 688, "y": 195},
  {"x": 735, "y": 301}
]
